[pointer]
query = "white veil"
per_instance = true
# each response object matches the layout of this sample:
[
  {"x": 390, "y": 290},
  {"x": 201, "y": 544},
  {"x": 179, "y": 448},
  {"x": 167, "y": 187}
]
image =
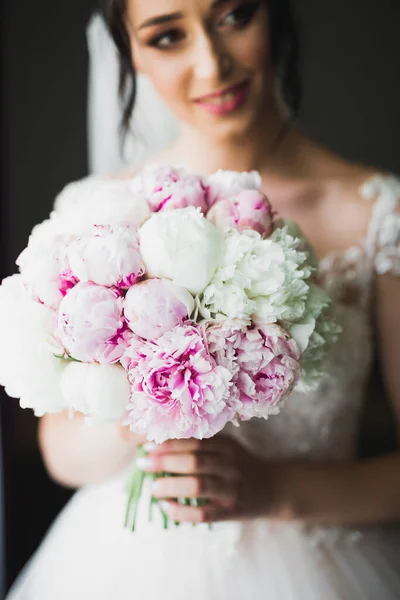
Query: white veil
[{"x": 153, "y": 125}]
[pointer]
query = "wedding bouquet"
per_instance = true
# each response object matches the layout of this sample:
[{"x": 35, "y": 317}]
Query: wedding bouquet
[{"x": 172, "y": 302}]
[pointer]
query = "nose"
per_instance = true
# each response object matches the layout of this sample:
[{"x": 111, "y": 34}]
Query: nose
[{"x": 212, "y": 61}]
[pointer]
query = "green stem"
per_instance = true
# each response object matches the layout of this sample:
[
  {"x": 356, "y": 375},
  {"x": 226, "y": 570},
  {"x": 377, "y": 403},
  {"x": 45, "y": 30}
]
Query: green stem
[
  {"x": 164, "y": 517},
  {"x": 132, "y": 494},
  {"x": 138, "y": 492},
  {"x": 135, "y": 488},
  {"x": 134, "y": 491},
  {"x": 152, "y": 500}
]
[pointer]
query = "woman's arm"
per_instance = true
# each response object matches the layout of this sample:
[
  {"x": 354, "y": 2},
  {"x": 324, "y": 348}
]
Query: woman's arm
[
  {"x": 240, "y": 486},
  {"x": 359, "y": 493},
  {"x": 76, "y": 453},
  {"x": 368, "y": 491}
]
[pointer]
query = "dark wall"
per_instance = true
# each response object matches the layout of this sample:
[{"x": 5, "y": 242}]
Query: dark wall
[
  {"x": 351, "y": 74},
  {"x": 45, "y": 66},
  {"x": 351, "y": 69}
]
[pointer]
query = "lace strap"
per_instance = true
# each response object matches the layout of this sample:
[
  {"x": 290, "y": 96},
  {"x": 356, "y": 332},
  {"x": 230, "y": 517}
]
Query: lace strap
[{"x": 383, "y": 239}]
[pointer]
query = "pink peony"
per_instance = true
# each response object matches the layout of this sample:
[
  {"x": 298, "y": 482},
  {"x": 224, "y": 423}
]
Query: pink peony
[
  {"x": 264, "y": 363},
  {"x": 166, "y": 188},
  {"x": 269, "y": 369},
  {"x": 91, "y": 326},
  {"x": 42, "y": 264},
  {"x": 67, "y": 281},
  {"x": 223, "y": 339},
  {"x": 154, "y": 306},
  {"x": 108, "y": 257},
  {"x": 226, "y": 184},
  {"x": 249, "y": 209},
  {"x": 178, "y": 390}
]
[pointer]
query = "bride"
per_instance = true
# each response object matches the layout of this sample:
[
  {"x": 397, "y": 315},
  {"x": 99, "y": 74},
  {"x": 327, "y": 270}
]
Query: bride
[{"x": 295, "y": 515}]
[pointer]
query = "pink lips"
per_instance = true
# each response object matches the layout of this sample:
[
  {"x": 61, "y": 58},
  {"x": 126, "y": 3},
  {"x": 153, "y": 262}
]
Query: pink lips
[{"x": 225, "y": 101}]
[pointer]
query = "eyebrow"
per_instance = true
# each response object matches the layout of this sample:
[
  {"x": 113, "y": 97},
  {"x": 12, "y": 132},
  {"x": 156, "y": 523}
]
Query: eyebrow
[{"x": 161, "y": 19}]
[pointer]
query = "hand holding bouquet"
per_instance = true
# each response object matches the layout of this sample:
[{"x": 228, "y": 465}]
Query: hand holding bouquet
[{"x": 172, "y": 302}]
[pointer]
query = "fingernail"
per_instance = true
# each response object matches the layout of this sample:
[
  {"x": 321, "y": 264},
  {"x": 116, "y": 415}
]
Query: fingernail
[
  {"x": 150, "y": 446},
  {"x": 144, "y": 463},
  {"x": 165, "y": 505},
  {"x": 154, "y": 486}
]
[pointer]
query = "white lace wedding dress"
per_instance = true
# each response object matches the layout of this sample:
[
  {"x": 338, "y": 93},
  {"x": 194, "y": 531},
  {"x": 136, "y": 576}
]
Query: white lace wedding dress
[{"x": 88, "y": 555}]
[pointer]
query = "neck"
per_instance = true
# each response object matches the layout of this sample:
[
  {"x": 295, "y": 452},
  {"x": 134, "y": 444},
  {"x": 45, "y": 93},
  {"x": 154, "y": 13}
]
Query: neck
[{"x": 270, "y": 148}]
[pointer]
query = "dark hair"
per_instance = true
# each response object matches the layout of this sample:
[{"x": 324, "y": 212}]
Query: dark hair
[{"x": 285, "y": 52}]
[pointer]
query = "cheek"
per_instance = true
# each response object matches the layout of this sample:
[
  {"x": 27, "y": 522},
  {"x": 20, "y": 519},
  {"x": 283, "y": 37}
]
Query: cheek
[
  {"x": 168, "y": 74},
  {"x": 165, "y": 74},
  {"x": 168, "y": 78},
  {"x": 171, "y": 78},
  {"x": 252, "y": 48},
  {"x": 252, "y": 55}
]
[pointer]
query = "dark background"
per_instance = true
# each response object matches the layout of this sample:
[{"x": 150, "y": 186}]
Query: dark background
[{"x": 351, "y": 73}]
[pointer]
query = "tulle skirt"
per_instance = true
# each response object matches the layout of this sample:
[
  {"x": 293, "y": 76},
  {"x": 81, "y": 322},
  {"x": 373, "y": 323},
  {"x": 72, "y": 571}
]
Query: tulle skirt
[{"x": 88, "y": 554}]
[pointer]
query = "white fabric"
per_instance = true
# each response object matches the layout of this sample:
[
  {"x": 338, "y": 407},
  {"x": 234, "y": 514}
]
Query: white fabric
[
  {"x": 88, "y": 553},
  {"x": 153, "y": 126}
]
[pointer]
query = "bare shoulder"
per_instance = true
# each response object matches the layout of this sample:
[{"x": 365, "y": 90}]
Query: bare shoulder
[
  {"x": 343, "y": 197},
  {"x": 340, "y": 214}
]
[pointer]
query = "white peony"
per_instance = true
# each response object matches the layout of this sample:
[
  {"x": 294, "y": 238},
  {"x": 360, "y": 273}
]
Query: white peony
[
  {"x": 89, "y": 202},
  {"x": 285, "y": 227},
  {"x": 302, "y": 329},
  {"x": 42, "y": 261},
  {"x": 260, "y": 279},
  {"x": 99, "y": 391},
  {"x": 108, "y": 257},
  {"x": 29, "y": 369},
  {"x": 315, "y": 333},
  {"x": 183, "y": 246}
]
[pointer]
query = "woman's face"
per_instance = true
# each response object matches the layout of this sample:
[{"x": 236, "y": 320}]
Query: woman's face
[{"x": 208, "y": 59}]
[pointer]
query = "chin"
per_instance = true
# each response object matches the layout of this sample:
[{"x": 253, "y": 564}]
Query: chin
[{"x": 232, "y": 127}]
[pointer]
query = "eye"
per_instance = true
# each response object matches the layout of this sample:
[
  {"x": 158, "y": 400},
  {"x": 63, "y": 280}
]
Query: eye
[
  {"x": 242, "y": 15},
  {"x": 167, "y": 39}
]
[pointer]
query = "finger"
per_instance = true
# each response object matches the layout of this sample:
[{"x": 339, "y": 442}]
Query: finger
[
  {"x": 188, "y": 464},
  {"x": 207, "y": 488},
  {"x": 217, "y": 444},
  {"x": 191, "y": 514}
]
